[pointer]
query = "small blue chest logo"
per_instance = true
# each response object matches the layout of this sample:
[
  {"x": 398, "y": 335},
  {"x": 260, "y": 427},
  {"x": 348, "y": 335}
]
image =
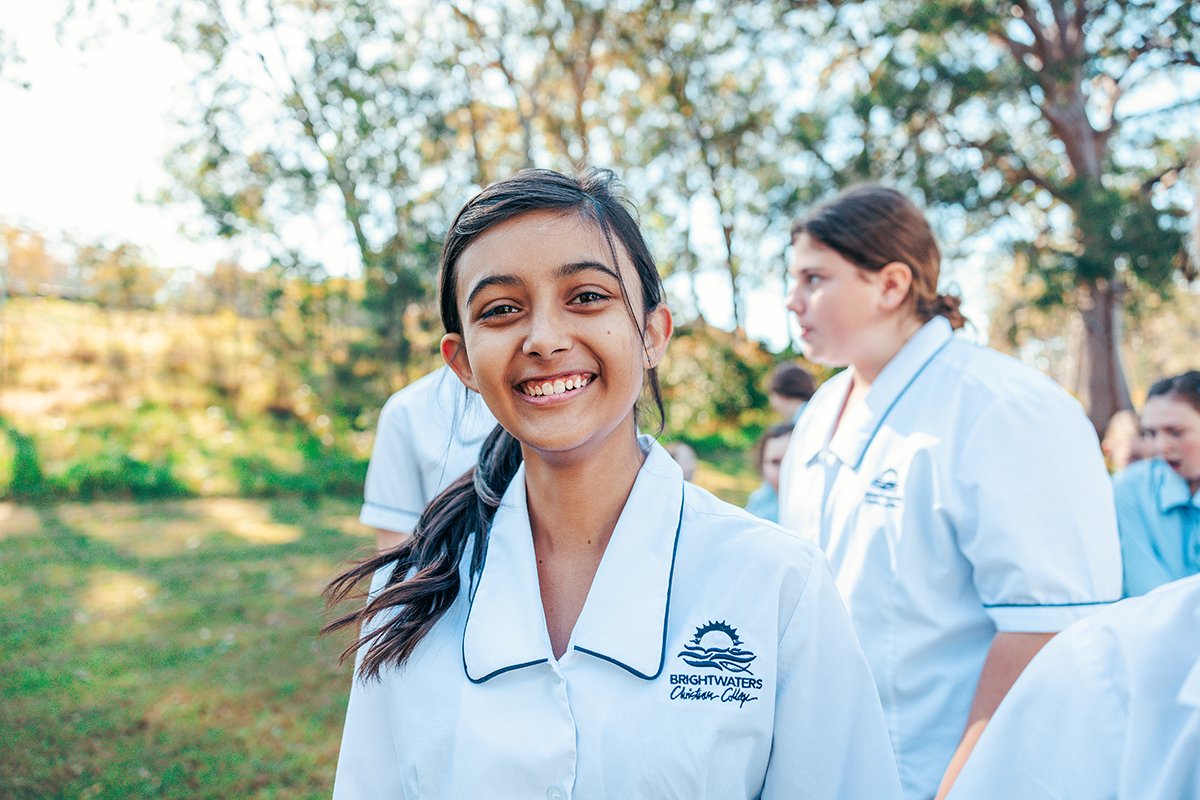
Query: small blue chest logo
[
  {"x": 717, "y": 646},
  {"x": 883, "y": 490}
]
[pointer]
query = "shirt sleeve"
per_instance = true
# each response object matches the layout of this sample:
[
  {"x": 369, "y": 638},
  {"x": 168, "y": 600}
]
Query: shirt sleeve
[
  {"x": 1059, "y": 734},
  {"x": 394, "y": 496},
  {"x": 830, "y": 736},
  {"x": 1034, "y": 513},
  {"x": 367, "y": 764},
  {"x": 1142, "y": 568}
]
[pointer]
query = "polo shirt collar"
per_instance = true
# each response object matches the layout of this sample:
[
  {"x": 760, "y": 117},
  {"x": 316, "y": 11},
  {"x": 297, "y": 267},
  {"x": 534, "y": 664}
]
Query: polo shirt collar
[
  {"x": 859, "y": 425},
  {"x": 624, "y": 617},
  {"x": 1172, "y": 488}
]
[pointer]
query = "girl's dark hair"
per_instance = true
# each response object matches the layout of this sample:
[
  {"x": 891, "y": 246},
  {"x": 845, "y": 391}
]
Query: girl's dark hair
[
  {"x": 1185, "y": 387},
  {"x": 872, "y": 226},
  {"x": 792, "y": 380},
  {"x": 425, "y": 580}
]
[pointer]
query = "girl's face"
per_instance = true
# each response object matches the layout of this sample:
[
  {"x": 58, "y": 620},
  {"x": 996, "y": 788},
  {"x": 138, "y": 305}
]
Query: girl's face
[
  {"x": 547, "y": 337},
  {"x": 835, "y": 302},
  {"x": 1171, "y": 429},
  {"x": 774, "y": 450}
]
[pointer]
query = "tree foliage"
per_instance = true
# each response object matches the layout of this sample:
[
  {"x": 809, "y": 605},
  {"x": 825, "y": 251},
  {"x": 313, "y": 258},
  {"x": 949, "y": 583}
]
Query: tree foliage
[{"x": 1058, "y": 126}]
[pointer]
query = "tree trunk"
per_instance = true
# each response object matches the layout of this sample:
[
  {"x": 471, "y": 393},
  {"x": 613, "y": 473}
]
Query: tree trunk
[{"x": 1100, "y": 382}]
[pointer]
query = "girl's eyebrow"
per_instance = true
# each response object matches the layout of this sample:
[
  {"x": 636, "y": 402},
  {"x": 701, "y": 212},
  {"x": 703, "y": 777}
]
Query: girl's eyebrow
[
  {"x": 565, "y": 271},
  {"x": 576, "y": 267},
  {"x": 492, "y": 280}
]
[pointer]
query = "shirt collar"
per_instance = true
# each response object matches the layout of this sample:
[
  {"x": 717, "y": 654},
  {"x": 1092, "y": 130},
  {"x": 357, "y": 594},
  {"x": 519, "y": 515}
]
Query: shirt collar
[
  {"x": 1172, "y": 488},
  {"x": 859, "y": 425},
  {"x": 624, "y": 618}
]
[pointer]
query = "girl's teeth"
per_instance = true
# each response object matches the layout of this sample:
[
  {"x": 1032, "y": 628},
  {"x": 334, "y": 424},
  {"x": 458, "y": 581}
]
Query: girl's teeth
[{"x": 558, "y": 386}]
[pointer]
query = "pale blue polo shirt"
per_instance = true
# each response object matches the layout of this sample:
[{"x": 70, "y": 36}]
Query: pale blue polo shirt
[{"x": 1159, "y": 522}]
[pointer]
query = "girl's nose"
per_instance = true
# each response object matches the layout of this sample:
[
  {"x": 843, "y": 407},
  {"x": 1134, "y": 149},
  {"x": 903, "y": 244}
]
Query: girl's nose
[
  {"x": 548, "y": 334},
  {"x": 794, "y": 301}
]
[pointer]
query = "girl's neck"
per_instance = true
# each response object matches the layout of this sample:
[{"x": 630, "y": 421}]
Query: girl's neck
[
  {"x": 889, "y": 341},
  {"x": 575, "y": 500}
]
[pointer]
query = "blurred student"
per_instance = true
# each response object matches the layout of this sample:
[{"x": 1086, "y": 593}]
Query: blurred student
[
  {"x": 1109, "y": 710},
  {"x": 764, "y": 501},
  {"x": 429, "y": 434},
  {"x": 1122, "y": 442},
  {"x": 789, "y": 389},
  {"x": 1158, "y": 500},
  {"x": 685, "y": 457},
  {"x": 961, "y": 497}
]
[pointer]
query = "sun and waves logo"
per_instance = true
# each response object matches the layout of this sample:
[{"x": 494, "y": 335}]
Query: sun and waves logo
[{"x": 716, "y": 645}]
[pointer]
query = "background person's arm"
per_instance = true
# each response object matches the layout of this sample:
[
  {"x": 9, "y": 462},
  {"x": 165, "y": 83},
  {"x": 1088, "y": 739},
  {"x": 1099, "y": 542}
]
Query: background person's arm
[
  {"x": 1008, "y": 656},
  {"x": 386, "y": 540}
]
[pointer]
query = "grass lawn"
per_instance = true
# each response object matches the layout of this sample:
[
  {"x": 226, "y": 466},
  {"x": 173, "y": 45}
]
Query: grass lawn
[{"x": 169, "y": 649}]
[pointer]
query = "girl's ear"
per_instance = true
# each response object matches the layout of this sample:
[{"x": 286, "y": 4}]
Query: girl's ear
[
  {"x": 894, "y": 282},
  {"x": 454, "y": 352},
  {"x": 659, "y": 327}
]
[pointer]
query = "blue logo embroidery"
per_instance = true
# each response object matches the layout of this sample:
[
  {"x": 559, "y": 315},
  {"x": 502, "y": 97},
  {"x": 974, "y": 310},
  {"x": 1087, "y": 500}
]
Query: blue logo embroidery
[
  {"x": 716, "y": 646},
  {"x": 883, "y": 490}
]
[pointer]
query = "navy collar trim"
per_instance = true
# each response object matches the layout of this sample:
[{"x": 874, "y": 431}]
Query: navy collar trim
[
  {"x": 662, "y": 658},
  {"x": 862, "y": 452},
  {"x": 474, "y": 587}
]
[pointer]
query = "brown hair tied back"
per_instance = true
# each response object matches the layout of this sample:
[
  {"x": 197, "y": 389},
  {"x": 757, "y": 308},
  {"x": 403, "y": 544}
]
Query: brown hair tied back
[
  {"x": 872, "y": 226},
  {"x": 943, "y": 305}
]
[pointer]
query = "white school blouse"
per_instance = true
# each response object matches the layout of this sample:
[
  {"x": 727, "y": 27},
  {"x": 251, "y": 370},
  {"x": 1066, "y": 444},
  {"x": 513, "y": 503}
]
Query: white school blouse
[
  {"x": 1109, "y": 709},
  {"x": 712, "y": 659},
  {"x": 965, "y": 495},
  {"x": 429, "y": 434}
]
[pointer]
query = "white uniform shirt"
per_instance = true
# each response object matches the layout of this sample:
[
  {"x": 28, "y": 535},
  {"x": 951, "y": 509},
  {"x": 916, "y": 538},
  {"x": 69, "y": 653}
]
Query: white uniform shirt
[
  {"x": 965, "y": 495},
  {"x": 1109, "y": 709},
  {"x": 429, "y": 434},
  {"x": 713, "y": 659}
]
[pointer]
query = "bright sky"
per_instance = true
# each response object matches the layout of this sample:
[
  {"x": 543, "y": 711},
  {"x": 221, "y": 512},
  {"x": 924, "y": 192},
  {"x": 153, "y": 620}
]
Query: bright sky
[
  {"x": 90, "y": 135},
  {"x": 82, "y": 153}
]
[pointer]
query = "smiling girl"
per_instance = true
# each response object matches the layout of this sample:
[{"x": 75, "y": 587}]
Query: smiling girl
[
  {"x": 960, "y": 497},
  {"x": 572, "y": 619},
  {"x": 1158, "y": 500}
]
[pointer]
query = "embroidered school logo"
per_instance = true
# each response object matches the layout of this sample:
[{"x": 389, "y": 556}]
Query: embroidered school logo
[
  {"x": 883, "y": 490},
  {"x": 716, "y": 646}
]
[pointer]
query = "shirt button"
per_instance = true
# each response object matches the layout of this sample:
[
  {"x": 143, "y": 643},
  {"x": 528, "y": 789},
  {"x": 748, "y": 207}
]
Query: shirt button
[{"x": 555, "y": 793}]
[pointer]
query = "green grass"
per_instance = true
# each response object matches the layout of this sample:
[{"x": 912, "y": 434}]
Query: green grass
[{"x": 169, "y": 649}]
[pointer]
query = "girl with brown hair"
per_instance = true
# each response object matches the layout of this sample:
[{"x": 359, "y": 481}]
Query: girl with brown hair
[{"x": 960, "y": 496}]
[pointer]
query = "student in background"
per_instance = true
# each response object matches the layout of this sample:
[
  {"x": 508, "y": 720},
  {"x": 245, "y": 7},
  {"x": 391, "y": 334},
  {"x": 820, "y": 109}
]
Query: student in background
[
  {"x": 961, "y": 497},
  {"x": 1109, "y": 710},
  {"x": 789, "y": 389},
  {"x": 1158, "y": 499},
  {"x": 429, "y": 434},
  {"x": 1122, "y": 442},
  {"x": 764, "y": 501}
]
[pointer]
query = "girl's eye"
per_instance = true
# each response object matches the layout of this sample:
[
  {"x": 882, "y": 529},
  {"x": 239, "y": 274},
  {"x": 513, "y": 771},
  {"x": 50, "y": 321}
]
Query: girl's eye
[
  {"x": 583, "y": 298},
  {"x": 499, "y": 310},
  {"x": 813, "y": 280}
]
